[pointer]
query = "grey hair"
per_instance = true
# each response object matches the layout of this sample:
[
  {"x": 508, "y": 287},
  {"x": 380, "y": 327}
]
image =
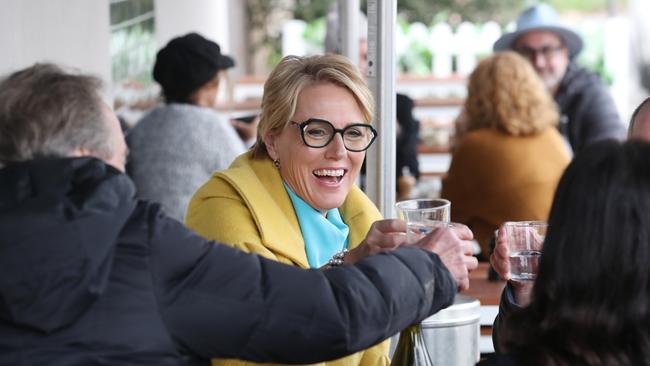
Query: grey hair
[{"x": 47, "y": 112}]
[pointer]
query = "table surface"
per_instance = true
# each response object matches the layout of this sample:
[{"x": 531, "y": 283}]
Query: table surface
[{"x": 486, "y": 291}]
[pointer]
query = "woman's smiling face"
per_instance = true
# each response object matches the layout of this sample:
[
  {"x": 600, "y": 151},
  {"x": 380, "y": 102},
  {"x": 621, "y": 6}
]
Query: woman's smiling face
[{"x": 322, "y": 177}]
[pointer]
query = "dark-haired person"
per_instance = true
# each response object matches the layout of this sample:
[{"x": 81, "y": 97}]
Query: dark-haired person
[
  {"x": 89, "y": 275},
  {"x": 407, "y": 167},
  {"x": 590, "y": 303},
  {"x": 178, "y": 145}
]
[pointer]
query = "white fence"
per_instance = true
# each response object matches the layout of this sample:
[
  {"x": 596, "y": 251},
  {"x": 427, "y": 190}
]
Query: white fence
[
  {"x": 441, "y": 51},
  {"x": 444, "y": 46}
]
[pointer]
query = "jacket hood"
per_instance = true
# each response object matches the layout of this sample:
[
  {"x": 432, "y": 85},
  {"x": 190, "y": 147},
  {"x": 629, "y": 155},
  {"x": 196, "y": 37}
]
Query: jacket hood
[{"x": 59, "y": 224}]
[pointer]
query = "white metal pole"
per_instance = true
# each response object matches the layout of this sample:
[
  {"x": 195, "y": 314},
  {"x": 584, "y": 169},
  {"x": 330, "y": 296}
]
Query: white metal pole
[
  {"x": 349, "y": 29},
  {"x": 380, "y": 165}
]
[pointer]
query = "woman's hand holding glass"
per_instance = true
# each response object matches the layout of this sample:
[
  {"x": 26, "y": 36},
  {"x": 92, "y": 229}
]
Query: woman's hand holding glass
[{"x": 500, "y": 261}]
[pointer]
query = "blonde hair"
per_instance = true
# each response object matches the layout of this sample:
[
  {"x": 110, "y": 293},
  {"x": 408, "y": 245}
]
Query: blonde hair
[
  {"x": 291, "y": 76},
  {"x": 506, "y": 93}
]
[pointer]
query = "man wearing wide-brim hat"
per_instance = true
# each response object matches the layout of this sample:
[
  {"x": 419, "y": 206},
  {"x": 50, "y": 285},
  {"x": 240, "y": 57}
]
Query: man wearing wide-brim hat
[{"x": 588, "y": 111}]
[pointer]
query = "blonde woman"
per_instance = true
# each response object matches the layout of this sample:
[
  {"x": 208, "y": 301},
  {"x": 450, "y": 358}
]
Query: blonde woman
[
  {"x": 509, "y": 159},
  {"x": 293, "y": 198}
]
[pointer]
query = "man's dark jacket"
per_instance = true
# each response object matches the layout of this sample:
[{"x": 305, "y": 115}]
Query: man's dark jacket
[
  {"x": 91, "y": 276},
  {"x": 588, "y": 110}
]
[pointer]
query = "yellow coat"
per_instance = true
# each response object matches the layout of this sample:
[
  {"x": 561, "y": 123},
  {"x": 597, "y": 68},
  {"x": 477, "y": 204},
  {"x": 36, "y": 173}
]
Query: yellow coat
[{"x": 248, "y": 207}]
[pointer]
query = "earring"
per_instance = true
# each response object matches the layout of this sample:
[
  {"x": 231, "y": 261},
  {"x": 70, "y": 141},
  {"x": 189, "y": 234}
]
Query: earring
[{"x": 276, "y": 162}]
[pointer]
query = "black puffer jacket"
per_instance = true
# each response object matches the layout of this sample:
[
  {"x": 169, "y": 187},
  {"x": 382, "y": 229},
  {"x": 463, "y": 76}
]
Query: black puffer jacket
[
  {"x": 588, "y": 110},
  {"x": 90, "y": 276}
]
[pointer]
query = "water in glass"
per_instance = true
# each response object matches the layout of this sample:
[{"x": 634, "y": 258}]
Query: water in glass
[{"x": 524, "y": 264}]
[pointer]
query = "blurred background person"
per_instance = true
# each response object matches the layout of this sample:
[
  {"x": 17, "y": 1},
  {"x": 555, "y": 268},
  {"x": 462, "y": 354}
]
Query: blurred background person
[
  {"x": 293, "y": 198},
  {"x": 406, "y": 159},
  {"x": 507, "y": 163},
  {"x": 589, "y": 303},
  {"x": 177, "y": 146},
  {"x": 588, "y": 112}
]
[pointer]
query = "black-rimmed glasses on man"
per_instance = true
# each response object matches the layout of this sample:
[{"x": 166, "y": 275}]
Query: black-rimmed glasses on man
[
  {"x": 319, "y": 133},
  {"x": 547, "y": 51}
]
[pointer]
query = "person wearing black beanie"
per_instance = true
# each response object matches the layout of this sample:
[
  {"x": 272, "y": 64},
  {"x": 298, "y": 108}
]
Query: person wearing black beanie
[
  {"x": 188, "y": 68},
  {"x": 177, "y": 146}
]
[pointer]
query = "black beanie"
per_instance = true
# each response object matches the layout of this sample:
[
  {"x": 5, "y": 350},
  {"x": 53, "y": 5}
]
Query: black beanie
[{"x": 187, "y": 63}]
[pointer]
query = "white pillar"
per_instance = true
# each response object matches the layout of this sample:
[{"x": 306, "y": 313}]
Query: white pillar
[
  {"x": 206, "y": 17},
  {"x": 349, "y": 27},
  {"x": 380, "y": 167},
  {"x": 238, "y": 37},
  {"x": 292, "y": 41}
]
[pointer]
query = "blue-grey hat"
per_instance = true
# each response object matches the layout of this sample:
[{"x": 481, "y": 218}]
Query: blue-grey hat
[{"x": 540, "y": 17}]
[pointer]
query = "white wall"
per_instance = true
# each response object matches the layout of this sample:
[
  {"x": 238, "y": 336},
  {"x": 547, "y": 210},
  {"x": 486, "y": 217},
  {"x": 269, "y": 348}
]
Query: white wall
[{"x": 69, "y": 32}]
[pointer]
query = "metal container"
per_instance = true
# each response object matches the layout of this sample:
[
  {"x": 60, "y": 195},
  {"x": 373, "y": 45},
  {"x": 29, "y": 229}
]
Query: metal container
[{"x": 452, "y": 334}]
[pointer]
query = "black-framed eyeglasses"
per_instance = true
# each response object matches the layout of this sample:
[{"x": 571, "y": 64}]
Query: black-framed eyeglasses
[
  {"x": 546, "y": 51},
  {"x": 319, "y": 133}
]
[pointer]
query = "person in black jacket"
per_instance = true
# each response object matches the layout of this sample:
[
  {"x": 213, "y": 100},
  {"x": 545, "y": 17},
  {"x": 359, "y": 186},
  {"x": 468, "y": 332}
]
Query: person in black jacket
[
  {"x": 589, "y": 303},
  {"x": 406, "y": 156},
  {"x": 588, "y": 110},
  {"x": 91, "y": 275}
]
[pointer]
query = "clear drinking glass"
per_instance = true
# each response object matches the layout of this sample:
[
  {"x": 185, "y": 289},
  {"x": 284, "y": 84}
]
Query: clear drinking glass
[
  {"x": 525, "y": 240},
  {"x": 422, "y": 216}
]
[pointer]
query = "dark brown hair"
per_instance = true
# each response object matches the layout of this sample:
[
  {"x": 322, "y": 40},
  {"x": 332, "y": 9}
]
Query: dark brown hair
[{"x": 591, "y": 300}]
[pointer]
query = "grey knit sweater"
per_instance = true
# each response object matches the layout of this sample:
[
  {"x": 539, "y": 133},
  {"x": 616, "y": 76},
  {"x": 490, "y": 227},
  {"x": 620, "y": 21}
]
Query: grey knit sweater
[{"x": 175, "y": 148}]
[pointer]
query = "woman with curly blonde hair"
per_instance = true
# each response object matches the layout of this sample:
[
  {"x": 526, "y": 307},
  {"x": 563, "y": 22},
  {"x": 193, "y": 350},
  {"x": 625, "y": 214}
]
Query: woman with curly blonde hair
[{"x": 509, "y": 156}]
